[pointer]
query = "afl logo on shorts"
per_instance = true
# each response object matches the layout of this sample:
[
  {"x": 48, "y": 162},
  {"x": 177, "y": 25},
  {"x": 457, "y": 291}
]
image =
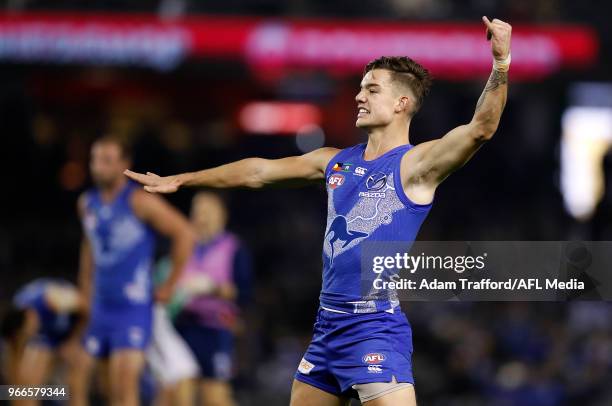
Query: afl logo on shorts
[
  {"x": 92, "y": 345},
  {"x": 374, "y": 358},
  {"x": 335, "y": 180},
  {"x": 136, "y": 336},
  {"x": 376, "y": 181}
]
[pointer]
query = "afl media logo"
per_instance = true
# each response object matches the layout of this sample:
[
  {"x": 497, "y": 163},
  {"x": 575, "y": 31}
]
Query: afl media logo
[{"x": 376, "y": 181}]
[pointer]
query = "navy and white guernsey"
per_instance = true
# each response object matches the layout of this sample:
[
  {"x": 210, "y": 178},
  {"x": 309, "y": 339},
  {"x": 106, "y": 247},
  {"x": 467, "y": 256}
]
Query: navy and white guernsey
[
  {"x": 366, "y": 202},
  {"x": 123, "y": 248}
]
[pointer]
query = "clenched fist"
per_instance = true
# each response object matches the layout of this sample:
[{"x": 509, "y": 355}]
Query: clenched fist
[{"x": 499, "y": 33}]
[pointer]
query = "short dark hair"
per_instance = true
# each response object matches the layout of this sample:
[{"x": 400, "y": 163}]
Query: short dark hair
[
  {"x": 406, "y": 72},
  {"x": 124, "y": 146},
  {"x": 12, "y": 321}
]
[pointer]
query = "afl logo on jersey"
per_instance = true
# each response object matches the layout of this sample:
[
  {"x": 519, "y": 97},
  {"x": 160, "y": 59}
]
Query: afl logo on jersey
[
  {"x": 335, "y": 180},
  {"x": 374, "y": 358},
  {"x": 376, "y": 181}
]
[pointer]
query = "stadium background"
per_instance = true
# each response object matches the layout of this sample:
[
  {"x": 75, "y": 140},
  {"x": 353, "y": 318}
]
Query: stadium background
[{"x": 188, "y": 117}]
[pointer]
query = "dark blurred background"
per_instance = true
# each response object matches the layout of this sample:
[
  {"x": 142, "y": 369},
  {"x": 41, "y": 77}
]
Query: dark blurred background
[{"x": 191, "y": 115}]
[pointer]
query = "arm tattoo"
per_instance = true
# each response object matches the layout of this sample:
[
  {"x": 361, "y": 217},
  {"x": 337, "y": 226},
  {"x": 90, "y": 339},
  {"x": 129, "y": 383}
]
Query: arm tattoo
[{"x": 495, "y": 80}]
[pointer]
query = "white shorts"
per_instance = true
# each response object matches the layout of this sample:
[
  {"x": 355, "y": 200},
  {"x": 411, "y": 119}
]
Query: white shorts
[{"x": 168, "y": 355}]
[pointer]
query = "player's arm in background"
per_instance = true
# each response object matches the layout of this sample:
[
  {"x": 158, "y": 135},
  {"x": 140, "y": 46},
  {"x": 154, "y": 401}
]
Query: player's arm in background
[
  {"x": 253, "y": 173},
  {"x": 86, "y": 263},
  {"x": 81, "y": 301},
  {"x": 167, "y": 221},
  {"x": 428, "y": 164}
]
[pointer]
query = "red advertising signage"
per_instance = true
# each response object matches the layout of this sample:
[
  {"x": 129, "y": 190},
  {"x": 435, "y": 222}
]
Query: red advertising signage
[{"x": 449, "y": 50}]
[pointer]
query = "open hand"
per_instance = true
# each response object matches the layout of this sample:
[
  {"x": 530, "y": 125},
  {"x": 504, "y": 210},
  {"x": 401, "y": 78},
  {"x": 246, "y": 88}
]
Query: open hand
[
  {"x": 154, "y": 183},
  {"x": 498, "y": 32}
]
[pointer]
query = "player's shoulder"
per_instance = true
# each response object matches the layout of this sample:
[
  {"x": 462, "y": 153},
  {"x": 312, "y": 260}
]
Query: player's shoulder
[
  {"x": 327, "y": 153},
  {"x": 319, "y": 158},
  {"x": 83, "y": 201},
  {"x": 415, "y": 153},
  {"x": 323, "y": 153},
  {"x": 140, "y": 199},
  {"x": 412, "y": 161}
]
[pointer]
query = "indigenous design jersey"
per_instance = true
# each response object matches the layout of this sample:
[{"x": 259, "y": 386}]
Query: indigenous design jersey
[
  {"x": 366, "y": 201},
  {"x": 122, "y": 247}
]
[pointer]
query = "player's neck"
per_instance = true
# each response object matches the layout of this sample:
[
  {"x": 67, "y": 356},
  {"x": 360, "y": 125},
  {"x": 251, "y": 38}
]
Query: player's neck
[
  {"x": 109, "y": 193},
  {"x": 384, "y": 139}
]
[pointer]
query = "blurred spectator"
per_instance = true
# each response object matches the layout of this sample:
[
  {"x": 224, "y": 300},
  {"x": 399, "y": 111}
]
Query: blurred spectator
[{"x": 214, "y": 287}]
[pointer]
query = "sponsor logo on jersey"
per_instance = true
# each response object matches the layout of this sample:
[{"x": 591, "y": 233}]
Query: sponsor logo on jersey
[
  {"x": 360, "y": 171},
  {"x": 376, "y": 181},
  {"x": 305, "y": 367},
  {"x": 343, "y": 167},
  {"x": 335, "y": 180},
  {"x": 374, "y": 369},
  {"x": 372, "y": 194},
  {"x": 374, "y": 358}
]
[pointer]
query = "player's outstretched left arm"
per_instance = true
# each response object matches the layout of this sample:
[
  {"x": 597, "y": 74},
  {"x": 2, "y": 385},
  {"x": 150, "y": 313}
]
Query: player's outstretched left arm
[
  {"x": 430, "y": 163},
  {"x": 253, "y": 173}
]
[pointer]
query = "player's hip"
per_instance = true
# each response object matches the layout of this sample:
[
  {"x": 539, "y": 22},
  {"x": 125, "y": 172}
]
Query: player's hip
[{"x": 350, "y": 349}]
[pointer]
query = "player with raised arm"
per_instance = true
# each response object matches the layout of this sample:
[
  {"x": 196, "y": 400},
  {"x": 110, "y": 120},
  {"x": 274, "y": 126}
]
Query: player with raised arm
[
  {"x": 119, "y": 222},
  {"x": 379, "y": 191}
]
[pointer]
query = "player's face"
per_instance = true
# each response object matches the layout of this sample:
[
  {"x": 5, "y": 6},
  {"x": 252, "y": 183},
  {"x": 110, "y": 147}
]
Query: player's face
[
  {"x": 376, "y": 101},
  {"x": 107, "y": 164},
  {"x": 208, "y": 216}
]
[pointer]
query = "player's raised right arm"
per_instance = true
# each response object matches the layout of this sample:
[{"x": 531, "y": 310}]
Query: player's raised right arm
[{"x": 253, "y": 173}]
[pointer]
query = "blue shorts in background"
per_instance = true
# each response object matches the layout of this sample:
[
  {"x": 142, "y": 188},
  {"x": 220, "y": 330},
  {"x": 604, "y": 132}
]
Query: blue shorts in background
[
  {"x": 349, "y": 349},
  {"x": 213, "y": 349},
  {"x": 53, "y": 333},
  {"x": 110, "y": 331}
]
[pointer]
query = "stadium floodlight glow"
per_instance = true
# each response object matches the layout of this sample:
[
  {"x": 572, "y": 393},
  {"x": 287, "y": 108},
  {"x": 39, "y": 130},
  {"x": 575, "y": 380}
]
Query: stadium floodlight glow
[
  {"x": 587, "y": 137},
  {"x": 280, "y": 118}
]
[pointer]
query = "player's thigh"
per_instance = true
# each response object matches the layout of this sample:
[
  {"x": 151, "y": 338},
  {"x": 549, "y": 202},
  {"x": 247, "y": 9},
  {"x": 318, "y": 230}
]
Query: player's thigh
[
  {"x": 35, "y": 365},
  {"x": 77, "y": 359},
  {"x": 216, "y": 392},
  {"x": 184, "y": 393},
  {"x": 80, "y": 368},
  {"x": 303, "y": 394},
  {"x": 125, "y": 366},
  {"x": 102, "y": 376},
  {"x": 402, "y": 397}
]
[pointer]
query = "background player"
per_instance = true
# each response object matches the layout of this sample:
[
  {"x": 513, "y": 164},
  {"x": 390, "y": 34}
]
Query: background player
[
  {"x": 392, "y": 91},
  {"x": 41, "y": 326},
  {"x": 214, "y": 287},
  {"x": 117, "y": 251}
]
